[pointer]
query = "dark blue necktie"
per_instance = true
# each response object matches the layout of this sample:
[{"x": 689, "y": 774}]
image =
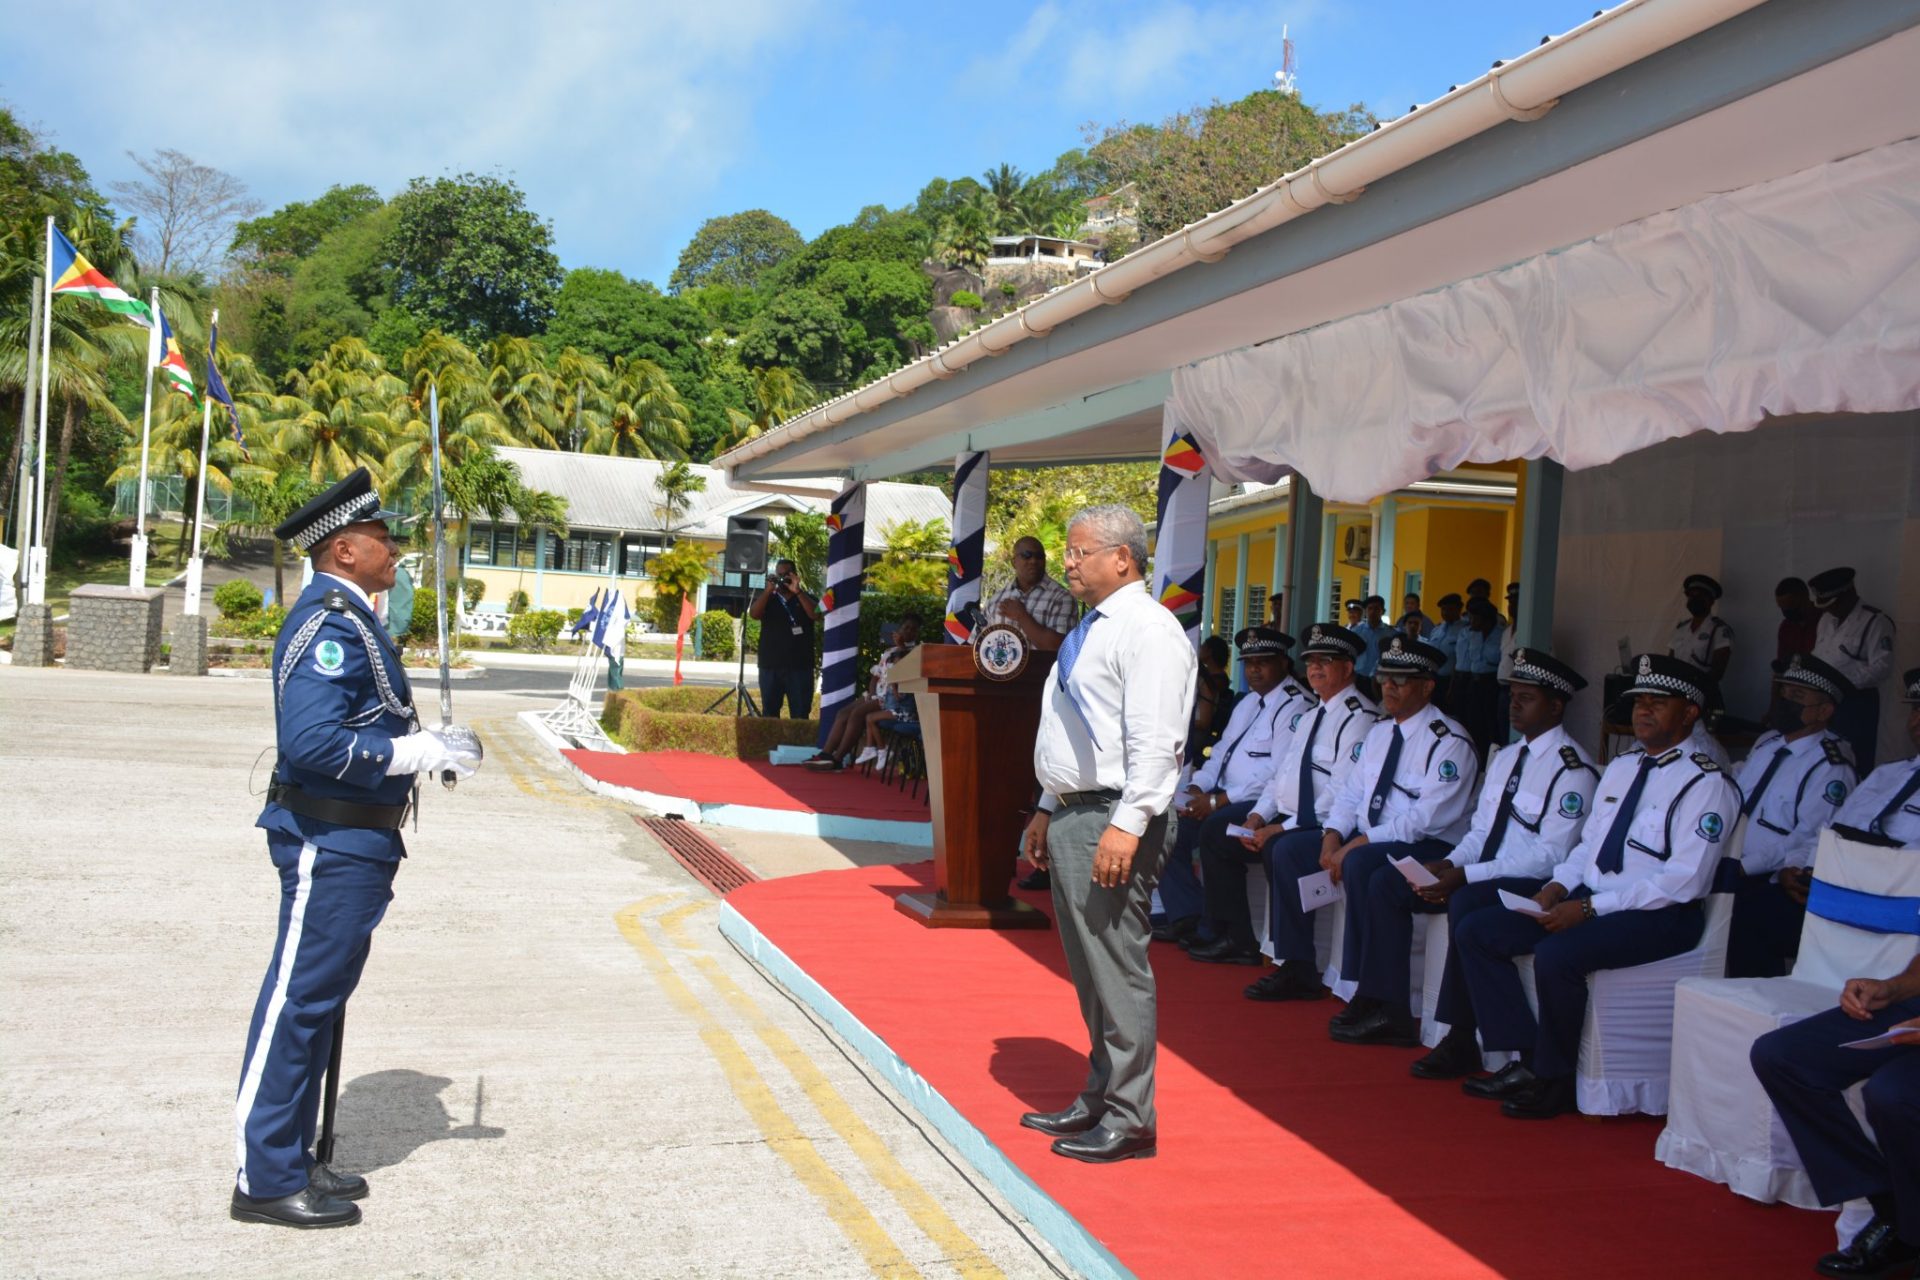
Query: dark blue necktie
[
  {"x": 1220, "y": 778},
  {"x": 1384, "y": 787},
  {"x": 1613, "y": 850},
  {"x": 1305, "y": 815},
  {"x": 1070, "y": 654},
  {"x": 1879, "y": 824},
  {"x": 1760, "y": 787},
  {"x": 1504, "y": 814}
]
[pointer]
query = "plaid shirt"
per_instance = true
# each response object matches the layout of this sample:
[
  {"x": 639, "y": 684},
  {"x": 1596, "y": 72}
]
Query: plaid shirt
[{"x": 1051, "y": 604}]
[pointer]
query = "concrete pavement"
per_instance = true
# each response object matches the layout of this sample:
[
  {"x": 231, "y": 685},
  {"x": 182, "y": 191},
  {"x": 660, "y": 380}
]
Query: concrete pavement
[{"x": 554, "y": 1065}]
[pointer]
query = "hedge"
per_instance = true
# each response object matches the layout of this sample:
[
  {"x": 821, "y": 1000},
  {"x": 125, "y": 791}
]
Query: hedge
[
  {"x": 716, "y": 635},
  {"x": 673, "y": 720},
  {"x": 421, "y": 623},
  {"x": 237, "y": 598},
  {"x": 261, "y": 624},
  {"x": 537, "y": 628}
]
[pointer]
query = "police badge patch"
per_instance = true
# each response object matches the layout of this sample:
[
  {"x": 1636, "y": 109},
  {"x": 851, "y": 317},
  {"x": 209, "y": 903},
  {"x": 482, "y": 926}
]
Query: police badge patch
[
  {"x": 1571, "y": 804},
  {"x": 329, "y": 657},
  {"x": 1836, "y": 791},
  {"x": 1711, "y": 827},
  {"x": 1356, "y": 749},
  {"x": 1449, "y": 771}
]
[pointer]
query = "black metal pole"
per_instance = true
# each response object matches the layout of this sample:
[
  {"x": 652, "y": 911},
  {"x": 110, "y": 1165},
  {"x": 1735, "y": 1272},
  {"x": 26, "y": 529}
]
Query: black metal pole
[{"x": 323, "y": 1148}]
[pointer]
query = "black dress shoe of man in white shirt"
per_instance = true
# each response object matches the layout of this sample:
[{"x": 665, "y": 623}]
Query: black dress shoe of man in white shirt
[
  {"x": 336, "y": 1185},
  {"x": 1075, "y": 1119},
  {"x": 1101, "y": 1145},
  {"x": 1876, "y": 1251},
  {"x": 1222, "y": 950},
  {"x": 1499, "y": 1086},
  {"x": 304, "y": 1208}
]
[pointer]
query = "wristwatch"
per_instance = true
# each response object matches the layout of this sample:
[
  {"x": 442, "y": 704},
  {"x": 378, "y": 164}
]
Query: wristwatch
[{"x": 1586, "y": 909}]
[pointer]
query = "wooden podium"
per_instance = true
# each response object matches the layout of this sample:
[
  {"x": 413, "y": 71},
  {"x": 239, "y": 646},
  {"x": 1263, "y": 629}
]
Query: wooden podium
[{"x": 979, "y": 737}]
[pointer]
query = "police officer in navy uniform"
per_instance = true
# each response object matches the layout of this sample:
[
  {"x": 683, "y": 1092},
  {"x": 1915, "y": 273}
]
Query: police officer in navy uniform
[
  {"x": 1629, "y": 893},
  {"x": 350, "y": 746}
]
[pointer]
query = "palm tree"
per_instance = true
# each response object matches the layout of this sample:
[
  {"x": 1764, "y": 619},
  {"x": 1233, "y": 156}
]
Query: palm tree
[
  {"x": 647, "y": 418},
  {"x": 523, "y": 391},
  {"x": 1006, "y": 188},
  {"x": 677, "y": 483},
  {"x": 471, "y": 422},
  {"x": 580, "y": 381},
  {"x": 539, "y": 512},
  {"x": 337, "y": 413},
  {"x": 966, "y": 239},
  {"x": 774, "y": 394}
]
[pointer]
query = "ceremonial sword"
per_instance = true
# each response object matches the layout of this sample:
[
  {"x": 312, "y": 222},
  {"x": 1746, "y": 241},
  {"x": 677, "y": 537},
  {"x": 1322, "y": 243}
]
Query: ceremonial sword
[{"x": 452, "y": 733}]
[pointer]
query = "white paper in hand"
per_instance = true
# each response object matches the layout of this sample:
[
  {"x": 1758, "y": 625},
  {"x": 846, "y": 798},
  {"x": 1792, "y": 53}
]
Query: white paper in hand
[
  {"x": 1881, "y": 1041},
  {"x": 1416, "y": 872},
  {"x": 1235, "y": 830},
  {"x": 1317, "y": 890},
  {"x": 1525, "y": 906}
]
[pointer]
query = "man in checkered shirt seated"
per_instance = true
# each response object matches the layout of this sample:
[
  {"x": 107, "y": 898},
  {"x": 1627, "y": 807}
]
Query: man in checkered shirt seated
[{"x": 1033, "y": 602}]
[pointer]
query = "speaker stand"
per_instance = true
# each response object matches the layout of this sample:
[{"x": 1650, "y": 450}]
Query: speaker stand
[{"x": 743, "y": 703}]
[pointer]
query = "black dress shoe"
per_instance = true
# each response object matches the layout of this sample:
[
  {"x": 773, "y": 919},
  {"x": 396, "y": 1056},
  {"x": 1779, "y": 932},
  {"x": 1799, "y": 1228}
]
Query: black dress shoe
[
  {"x": 1036, "y": 879},
  {"x": 1225, "y": 951},
  {"x": 1382, "y": 1026},
  {"x": 1876, "y": 1251},
  {"x": 1358, "y": 1009},
  {"x": 1499, "y": 1086},
  {"x": 1177, "y": 930},
  {"x": 304, "y": 1208},
  {"x": 1457, "y": 1055},
  {"x": 338, "y": 1186},
  {"x": 1288, "y": 982},
  {"x": 1075, "y": 1119},
  {"x": 1542, "y": 1100},
  {"x": 1101, "y": 1145}
]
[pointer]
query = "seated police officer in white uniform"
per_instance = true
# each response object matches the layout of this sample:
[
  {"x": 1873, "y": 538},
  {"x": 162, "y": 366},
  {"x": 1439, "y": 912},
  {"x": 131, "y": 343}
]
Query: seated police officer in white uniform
[
  {"x": 1409, "y": 796},
  {"x": 1703, "y": 636},
  {"x": 1791, "y": 786},
  {"x": 1241, "y": 765},
  {"x": 1885, "y": 809},
  {"x": 1533, "y": 807},
  {"x": 1629, "y": 893},
  {"x": 1285, "y": 820}
]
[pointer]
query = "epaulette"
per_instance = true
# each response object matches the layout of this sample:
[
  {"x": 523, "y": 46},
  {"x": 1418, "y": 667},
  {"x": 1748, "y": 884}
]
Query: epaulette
[
  {"x": 1838, "y": 751},
  {"x": 1439, "y": 728},
  {"x": 1706, "y": 762},
  {"x": 335, "y": 599},
  {"x": 1569, "y": 757},
  {"x": 1353, "y": 702}
]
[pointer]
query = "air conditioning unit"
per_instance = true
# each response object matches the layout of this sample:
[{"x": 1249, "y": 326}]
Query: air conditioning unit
[{"x": 1357, "y": 547}]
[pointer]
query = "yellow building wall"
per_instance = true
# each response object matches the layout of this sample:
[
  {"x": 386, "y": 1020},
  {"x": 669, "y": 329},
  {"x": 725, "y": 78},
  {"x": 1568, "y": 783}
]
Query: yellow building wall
[
  {"x": 1226, "y": 536},
  {"x": 1459, "y": 545}
]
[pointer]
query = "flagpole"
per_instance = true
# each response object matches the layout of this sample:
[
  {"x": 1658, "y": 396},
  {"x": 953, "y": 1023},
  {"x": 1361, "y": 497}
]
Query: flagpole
[
  {"x": 137, "y": 570},
  {"x": 23, "y": 498},
  {"x": 37, "y": 557},
  {"x": 195, "y": 566}
]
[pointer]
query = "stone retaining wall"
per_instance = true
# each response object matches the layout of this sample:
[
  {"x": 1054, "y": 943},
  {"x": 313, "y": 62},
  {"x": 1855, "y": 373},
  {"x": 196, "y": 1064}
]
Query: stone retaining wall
[{"x": 114, "y": 628}]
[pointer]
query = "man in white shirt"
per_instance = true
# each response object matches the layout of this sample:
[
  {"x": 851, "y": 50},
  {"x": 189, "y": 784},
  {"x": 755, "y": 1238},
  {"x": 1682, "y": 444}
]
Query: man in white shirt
[
  {"x": 1886, "y": 807},
  {"x": 1286, "y": 819},
  {"x": 1033, "y": 602},
  {"x": 1791, "y": 786},
  {"x": 1532, "y": 809},
  {"x": 1113, "y": 720},
  {"x": 1224, "y": 788},
  {"x": 1628, "y": 894},
  {"x": 1855, "y": 639},
  {"x": 1409, "y": 796},
  {"x": 1702, "y": 637}
]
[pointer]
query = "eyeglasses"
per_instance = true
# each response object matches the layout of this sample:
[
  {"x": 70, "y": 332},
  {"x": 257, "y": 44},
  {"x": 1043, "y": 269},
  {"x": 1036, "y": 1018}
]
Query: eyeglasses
[{"x": 1075, "y": 555}]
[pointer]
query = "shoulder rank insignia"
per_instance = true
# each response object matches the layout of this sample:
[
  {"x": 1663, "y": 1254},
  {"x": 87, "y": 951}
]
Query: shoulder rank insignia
[
  {"x": 1569, "y": 757},
  {"x": 1353, "y": 703},
  {"x": 1439, "y": 728},
  {"x": 1837, "y": 751},
  {"x": 335, "y": 599},
  {"x": 1706, "y": 762}
]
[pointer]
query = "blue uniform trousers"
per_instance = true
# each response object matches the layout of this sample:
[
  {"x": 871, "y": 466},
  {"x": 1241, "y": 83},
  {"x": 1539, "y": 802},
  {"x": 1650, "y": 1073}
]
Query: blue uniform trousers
[
  {"x": 1489, "y": 941},
  {"x": 1806, "y": 1073},
  {"x": 1380, "y": 906},
  {"x": 1766, "y": 929},
  {"x": 1455, "y": 1006},
  {"x": 1219, "y": 893},
  {"x": 1289, "y": 858},
  {"x": 329, "y": 905}
]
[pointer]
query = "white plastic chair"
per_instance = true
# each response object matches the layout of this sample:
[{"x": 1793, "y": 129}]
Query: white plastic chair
[{"x": 1721, "y": 1125}]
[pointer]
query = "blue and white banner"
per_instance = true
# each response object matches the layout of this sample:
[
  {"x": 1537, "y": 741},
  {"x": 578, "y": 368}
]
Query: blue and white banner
[
  {"x": 967, "y": 556},
  {"x": 840, "y": 645}
]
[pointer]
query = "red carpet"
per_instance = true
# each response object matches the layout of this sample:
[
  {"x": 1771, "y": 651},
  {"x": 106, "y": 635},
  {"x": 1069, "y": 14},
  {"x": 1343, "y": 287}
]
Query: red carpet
[
  {"x": 710, "y": 780},
  {"x": 1281, "y": 1153}
]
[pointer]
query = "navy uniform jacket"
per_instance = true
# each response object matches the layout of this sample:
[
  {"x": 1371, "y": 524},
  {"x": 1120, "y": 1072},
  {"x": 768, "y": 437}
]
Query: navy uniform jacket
[{"x": 340, "y": 698}]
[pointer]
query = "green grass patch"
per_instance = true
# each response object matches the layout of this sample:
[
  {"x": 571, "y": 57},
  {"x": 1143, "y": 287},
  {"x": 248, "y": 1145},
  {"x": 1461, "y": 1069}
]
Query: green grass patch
[{"x": 674, "y": 720}]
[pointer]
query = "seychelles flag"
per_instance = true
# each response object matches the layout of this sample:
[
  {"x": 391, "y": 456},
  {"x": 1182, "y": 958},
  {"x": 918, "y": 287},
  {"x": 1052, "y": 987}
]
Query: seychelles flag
[
  {"x": 73, "y": 274},
  {"x": 173, "y": 361}
]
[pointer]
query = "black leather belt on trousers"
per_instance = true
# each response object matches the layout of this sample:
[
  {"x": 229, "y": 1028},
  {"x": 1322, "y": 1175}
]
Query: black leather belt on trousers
[
  {"x": 383, "y": 817},
  {"x": 1067, "y": 798}
]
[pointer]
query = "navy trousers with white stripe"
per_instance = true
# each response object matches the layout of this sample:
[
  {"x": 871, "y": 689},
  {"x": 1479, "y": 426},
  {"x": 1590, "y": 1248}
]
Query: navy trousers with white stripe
[{"x": 330, "y": 904}]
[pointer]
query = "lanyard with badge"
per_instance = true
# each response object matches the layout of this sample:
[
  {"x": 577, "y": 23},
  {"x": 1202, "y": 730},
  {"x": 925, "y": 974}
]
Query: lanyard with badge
[{"x": 793, "y": 620}]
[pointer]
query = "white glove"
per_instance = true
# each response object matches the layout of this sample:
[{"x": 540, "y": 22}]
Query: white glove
[{"x": 424, "y": 751}]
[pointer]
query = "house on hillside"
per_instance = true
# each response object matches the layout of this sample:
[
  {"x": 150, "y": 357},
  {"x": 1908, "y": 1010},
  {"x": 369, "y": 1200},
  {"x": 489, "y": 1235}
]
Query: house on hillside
[{"x": 1119, "y": 208}]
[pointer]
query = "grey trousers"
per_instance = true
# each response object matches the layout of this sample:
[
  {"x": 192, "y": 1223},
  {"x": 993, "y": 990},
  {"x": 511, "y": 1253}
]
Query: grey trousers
[{"x": 1105, "y": 934}]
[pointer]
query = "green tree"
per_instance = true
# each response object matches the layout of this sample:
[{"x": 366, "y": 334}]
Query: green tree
[
  {"x": 646, "y": 419},
  {"x": 915, "y": 561},
  {"x": 773, "y": 396},
  {"x": 468, "y": 256},
  {"x": 802, "y": 538},
  {"x": 271, "y": 498},
  {"x": 735, "y": 250},
  {"x": 678, "y": 573},
  {"x": 279, "y": 240},
  {"x": 801, "y": 330},
  {"x": 676, "y": 484},
  {"x": 965, "y": 239}
]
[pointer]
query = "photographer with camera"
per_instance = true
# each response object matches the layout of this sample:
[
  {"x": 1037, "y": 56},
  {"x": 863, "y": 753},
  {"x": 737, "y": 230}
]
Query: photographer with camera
[{"x": 787, "y": 616}]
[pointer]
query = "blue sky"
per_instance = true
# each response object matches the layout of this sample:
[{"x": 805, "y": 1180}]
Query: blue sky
[{"x": 629, "y": 124}]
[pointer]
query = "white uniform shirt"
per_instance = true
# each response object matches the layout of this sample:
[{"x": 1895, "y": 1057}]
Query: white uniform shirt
[
  {"x": 1702, "y": 741},
  {"x": 1873, "y": 795},
  {"x": 1133, "y": 684},
  {"x": 1675, "y": 837},
  {"x": 1431, "y": 795},
  {"x": 1243, "y": 760},
  {"x": 1859, "y": 647},
  {"x": 1550, "y": 808},
  {"x": 1344, "y": 720},
  {"x": 1803, "y": 795},
  {"x": 1698, "y": 647}
]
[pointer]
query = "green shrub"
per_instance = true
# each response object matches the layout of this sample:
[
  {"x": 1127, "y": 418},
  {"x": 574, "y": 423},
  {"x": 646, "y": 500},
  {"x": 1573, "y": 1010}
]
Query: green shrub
[
  {"x": 966, "y": 298},
  {"x": 536, "y": 629},
  {"x": 475, "y": 591},
  {"x": 237, "y": 598},
  {"x": 716, "y": 635},
  {"x": 573, "y": 618},
  {"x": 878, "y": 609},
  {"x": 421, "y": 624},
  {"x": 1009, "y": 288},
  {"x": 672, "y": 720},
  {"x": 518, "y": 602},
  {"x": 261, "y": 624}
]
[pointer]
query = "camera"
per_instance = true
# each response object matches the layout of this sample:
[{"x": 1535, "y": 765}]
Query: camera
[{"x": 786, "y": 580}]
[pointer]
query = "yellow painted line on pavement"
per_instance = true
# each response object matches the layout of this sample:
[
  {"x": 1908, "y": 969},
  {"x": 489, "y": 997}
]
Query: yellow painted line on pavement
[
  {"x": 966, "y": 1255},
  {"x": 782, "y": 1135}
]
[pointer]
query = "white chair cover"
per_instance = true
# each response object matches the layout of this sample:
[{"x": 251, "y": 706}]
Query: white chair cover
[
  {"x": 1721, "y": 1125},
  {"x": 1422, "y": 991}
]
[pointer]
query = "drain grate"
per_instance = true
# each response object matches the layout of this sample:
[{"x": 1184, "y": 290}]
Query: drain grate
[{"x": 706, "y": 861}]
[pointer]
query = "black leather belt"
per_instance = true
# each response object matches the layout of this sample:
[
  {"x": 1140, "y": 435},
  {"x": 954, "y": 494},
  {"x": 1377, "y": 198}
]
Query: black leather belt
[
  {"x": 383, "y": 817},
  {"x": 1087, "y": 797}
]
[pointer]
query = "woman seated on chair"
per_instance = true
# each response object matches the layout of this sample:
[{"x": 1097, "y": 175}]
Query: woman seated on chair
[{"x": 851, "y": 728}]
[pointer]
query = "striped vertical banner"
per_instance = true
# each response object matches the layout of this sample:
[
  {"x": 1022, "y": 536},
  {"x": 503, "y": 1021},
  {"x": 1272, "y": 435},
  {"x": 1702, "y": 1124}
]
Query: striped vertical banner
[
  {"x": 1180, "y": 545},
  {"x": 968, "y": 554},
  {"x": 840, "y": 646}
]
